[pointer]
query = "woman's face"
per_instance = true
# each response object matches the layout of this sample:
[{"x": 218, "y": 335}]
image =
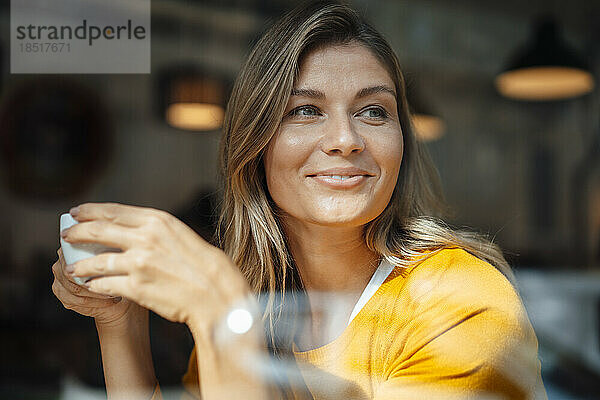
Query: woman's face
[{"x": 335, "y": 158}]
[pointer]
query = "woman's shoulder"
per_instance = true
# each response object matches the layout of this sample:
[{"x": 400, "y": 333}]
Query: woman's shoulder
[
  {"x": 459, "y": 317},
  {"x": 456, "y": 276},
  {"x": 454, "y": 294}
]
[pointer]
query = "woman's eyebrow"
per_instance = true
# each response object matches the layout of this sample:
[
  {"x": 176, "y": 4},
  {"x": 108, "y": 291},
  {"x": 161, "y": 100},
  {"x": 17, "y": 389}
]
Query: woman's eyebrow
[
  {"x": 373, "y": 90},
  {"x": 317, "y": 94}
]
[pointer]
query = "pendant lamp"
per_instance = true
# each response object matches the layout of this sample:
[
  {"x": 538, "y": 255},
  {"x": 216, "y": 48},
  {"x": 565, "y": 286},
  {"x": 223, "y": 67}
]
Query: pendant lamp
[
  {"x": 192, "y": 99},
  {"x": 427, "y": 124},
  {"x": 545, "y": 69}
]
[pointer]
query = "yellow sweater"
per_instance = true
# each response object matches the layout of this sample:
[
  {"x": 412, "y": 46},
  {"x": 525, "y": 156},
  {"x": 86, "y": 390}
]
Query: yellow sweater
[{"x": 449, "y": 327}]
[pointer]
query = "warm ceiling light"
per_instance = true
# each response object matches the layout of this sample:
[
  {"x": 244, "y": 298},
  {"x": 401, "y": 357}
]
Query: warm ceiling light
[
  {"x": 545, "y": 83},
  {"x": 195, "y": 116},
  {"x": 547, "y": 69},
  {"x": 192, "y": 100},
  {"x": 428, "y": 127}
]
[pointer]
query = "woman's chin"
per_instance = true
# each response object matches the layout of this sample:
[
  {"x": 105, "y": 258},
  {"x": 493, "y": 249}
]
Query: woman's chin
[{"x": 341, "y": 218}]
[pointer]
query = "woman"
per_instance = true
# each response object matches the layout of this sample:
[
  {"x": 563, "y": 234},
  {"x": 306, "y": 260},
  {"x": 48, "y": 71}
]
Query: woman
[{"x": 326, "y": 193}]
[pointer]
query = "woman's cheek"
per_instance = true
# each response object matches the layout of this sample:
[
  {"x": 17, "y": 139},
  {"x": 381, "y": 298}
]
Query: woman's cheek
[
  {"x": 281, "y": 174},
  {"x": 387, "y": 150}
]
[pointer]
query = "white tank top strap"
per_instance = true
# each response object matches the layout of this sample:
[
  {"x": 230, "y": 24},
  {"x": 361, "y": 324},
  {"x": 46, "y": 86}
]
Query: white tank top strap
[{"x": 380, "y": 275}]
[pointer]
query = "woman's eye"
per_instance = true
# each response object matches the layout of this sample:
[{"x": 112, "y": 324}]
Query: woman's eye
[
  {"x": 304, "y": 111},
  {"x": 375, "y": 113}
]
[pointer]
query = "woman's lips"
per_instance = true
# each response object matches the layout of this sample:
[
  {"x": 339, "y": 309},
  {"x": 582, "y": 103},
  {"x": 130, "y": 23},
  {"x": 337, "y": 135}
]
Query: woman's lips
[{"x": 340, "y": 181}]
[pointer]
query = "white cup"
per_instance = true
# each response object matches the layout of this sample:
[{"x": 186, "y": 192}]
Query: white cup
[{"x": 74, "y": 252}]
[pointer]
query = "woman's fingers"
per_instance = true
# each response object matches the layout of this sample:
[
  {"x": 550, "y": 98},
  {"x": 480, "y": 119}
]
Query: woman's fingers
[
  {"x": 61, "y": 257},
  {"x": 61, "y": 276},
  {"x": 124, "y": 226},
  {"x": 78, "y": 303},
  {"x": 119, "y": 285},
  {"x": 104, "y": 264},
  {"x": 103, "y": 232},
  {"x": 62, "y": 273},
  {"x": 121, "y": 214}
]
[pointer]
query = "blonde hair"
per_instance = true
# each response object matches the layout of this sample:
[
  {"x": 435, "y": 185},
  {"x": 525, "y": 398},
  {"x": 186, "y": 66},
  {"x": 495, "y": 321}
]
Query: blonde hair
[{"x": 249, "y": 229}]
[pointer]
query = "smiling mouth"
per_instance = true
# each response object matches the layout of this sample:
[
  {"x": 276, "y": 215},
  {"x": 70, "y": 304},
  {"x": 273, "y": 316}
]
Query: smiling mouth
[
  {"x": 337, "y": 177},
  {"x": 342, "y": 182}
]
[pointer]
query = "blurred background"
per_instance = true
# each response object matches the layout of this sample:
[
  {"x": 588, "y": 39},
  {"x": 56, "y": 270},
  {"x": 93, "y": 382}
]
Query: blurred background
[{"x": 505, "y": 96}]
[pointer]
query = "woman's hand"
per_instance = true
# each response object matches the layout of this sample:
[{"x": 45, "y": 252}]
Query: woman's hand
[
  {"x": 164, "y": 265},
  {"x": 108, "y": 311}
]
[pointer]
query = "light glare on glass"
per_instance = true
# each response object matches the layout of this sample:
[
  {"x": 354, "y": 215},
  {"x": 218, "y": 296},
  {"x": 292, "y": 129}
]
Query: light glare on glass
[{"x": 239, "y": 321}]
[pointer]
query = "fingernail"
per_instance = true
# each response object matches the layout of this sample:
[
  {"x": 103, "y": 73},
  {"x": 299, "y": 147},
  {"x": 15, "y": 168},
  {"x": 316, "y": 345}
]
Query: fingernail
[
  {"x": 63, "y": 233},
  {"x": 74, "y": 211},
  {"x": 70, "y": 268}
]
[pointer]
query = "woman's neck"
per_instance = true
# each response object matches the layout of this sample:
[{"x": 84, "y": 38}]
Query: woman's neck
[
  {"x": 335, "y": 266},
  {"x": 331, "y": 259}
]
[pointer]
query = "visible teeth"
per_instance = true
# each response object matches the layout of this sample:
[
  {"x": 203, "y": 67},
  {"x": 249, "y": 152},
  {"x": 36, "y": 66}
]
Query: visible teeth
[{"x": 340, "y": 177}]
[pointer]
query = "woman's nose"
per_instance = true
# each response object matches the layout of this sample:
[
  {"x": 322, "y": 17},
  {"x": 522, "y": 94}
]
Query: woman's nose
[{"x": 340, "y": 137}]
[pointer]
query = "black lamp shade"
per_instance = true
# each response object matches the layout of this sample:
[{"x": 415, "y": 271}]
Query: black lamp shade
[{"x": 546, "y": 68}]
